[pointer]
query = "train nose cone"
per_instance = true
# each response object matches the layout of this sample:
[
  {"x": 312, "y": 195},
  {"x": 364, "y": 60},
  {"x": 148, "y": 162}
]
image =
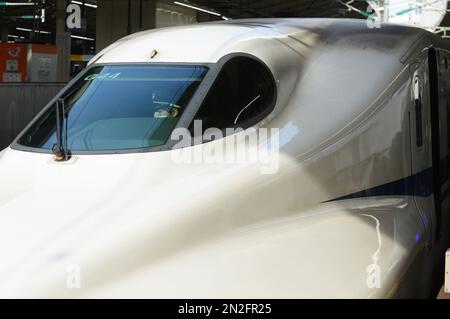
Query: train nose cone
[{"x": 51, "y": 212}]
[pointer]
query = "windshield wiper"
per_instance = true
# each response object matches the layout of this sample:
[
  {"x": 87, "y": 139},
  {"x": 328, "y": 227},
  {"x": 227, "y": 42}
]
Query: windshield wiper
[{"x": 60, "y": 149}]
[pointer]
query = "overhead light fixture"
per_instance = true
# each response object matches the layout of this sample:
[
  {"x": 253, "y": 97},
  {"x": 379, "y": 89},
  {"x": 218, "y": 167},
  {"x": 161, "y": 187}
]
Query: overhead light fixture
[
  {"x": 12, "y": 4},
  {"x": 197, "y": 8},
  {"x": 29, "y": 30},
  {"x": 26, "y": 17},
  {"x": 82, "y": 38},
  {"x": 90, "y": 5},
  {"x": 225, "y": 18},
  {"x": 15, "y": 36}
]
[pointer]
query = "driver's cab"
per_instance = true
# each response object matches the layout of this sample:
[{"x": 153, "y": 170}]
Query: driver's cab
[
  {"x": 129, "y": 107},
  {"x": 242, "y": 95}
]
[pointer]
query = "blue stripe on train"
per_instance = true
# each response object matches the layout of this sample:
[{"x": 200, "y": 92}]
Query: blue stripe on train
[{"x": 420, "y": 184}]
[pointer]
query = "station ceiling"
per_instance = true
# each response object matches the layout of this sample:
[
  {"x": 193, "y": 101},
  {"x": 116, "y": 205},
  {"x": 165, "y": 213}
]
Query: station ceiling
[
  {"x": 18, "y": 19},
  {"x": 20, "y": 16},
  {"x": 280, "y": 8}
]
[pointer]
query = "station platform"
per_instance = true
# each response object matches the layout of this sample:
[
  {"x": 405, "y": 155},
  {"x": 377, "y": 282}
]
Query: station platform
[{"x": 442, "y": 294}]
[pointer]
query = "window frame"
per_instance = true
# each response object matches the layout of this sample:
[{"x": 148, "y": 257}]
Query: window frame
[
  {"x": 254, "y": 120},
  {"x": 418, "y": 110},
  {"x": 187, "y": 117}
]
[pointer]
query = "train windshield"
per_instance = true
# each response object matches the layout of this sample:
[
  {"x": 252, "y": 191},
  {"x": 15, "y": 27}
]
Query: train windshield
[{"x": 119, "y": 108}]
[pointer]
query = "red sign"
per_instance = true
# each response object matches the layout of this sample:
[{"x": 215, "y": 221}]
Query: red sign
[{"x": 13, "y": 62}]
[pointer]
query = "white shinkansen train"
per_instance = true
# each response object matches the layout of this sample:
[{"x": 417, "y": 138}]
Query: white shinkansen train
[{"x": 95, "y": 201}]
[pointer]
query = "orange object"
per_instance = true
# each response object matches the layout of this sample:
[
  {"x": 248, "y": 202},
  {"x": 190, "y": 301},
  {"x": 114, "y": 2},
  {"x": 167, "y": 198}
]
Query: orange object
[
  {"x": 13, "y": 62},
  {"x": 44, "y": 49}
]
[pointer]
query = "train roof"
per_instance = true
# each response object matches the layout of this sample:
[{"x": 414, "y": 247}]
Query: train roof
[{"x": 208, "y": 42}]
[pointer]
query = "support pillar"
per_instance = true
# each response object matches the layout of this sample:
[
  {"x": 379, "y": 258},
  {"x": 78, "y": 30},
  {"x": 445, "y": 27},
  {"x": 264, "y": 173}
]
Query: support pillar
[
  {"x": 3, "y": 33},
  {"x": 118, "y": 18},
  {"x": 63, "y": 42}
]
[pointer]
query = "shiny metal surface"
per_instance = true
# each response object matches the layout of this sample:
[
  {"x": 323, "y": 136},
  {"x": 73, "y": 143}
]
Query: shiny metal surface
[{"x": 139, "y": 225}]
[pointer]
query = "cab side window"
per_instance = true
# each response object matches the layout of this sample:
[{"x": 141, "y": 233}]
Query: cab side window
[
  {"x": 243, "y": 94},
  {"x": 418, "y": 110}
]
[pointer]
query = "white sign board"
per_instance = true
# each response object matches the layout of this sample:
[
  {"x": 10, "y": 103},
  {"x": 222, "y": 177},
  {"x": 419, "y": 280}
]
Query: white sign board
[
  {"x": 42, "y": 67},
  {"x": 12, "y": 77}
]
